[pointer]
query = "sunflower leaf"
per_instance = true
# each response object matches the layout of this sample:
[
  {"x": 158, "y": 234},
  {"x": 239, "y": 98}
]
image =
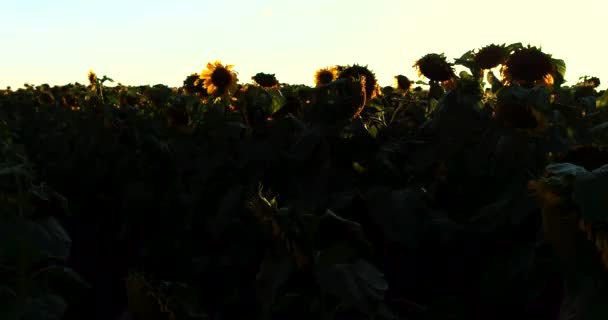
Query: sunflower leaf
[{"x": 590, "y": 194}]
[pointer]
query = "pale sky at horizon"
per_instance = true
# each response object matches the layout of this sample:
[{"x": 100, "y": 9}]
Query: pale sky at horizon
[{"x": 138, "y": 42}]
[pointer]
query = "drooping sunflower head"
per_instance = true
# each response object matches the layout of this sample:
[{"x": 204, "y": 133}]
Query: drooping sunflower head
[
  {"x": 491, "y": 56},
  {"x": 528, "y": 65},
  {"x": 46, "y": 97},
  {"x": 219, "y": 79},
  {"x": 588, "y": 81},
  {"x": 435, "y": 67},
  {"x": 324, "y": 76},
  {"x": 265, "y": 80},
  {"x": 357, "y": 72},
  {"x": 402, "y": 83},
  {"x": 92, "y": 78},
  {"x": 577, "y": 193},
  {"x": 514, "y": 112},
  {"x": 586, "y": 87}
]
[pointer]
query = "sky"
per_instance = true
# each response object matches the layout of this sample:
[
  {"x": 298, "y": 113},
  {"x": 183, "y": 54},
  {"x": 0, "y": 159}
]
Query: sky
[{"x": 139, "y": 42}]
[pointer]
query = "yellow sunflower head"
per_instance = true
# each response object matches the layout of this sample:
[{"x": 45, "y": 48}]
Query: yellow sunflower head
[
  {"x": 324, "y": 76},
  {"x": 219, "y": 79},
  {"x": 528, "y": 66},
  {"x": 491, "y": 56},
  {"x": 435, "y": 67}
]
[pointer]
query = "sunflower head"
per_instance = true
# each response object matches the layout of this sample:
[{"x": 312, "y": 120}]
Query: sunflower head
[
  {"x": 569, "y": 200},
  {"x": 325, "y": 76},
  {"x": 92, "y": 78},
  {"x": 219, "y": 79},
  {"x": 528, "y": 65},
  {"x": 514, "y": 112},
  {"x": 46, "y": 97},
  {"x": 588, "y": 81},
  {"x": 491, "y": 56},
  {"x": 402, "y": 83},
  {"x": 193, "y": 84},
  {"x": 362, "y": 72},
  {"x": 435, "y": 67},
  {"x": 265, "y": 80}
]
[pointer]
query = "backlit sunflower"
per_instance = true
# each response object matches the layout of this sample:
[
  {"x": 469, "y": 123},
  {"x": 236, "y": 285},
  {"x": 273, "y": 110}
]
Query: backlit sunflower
[
  {"x": 265, "y": 80},
  {"x": 324, "y": 76},
  {"x": 491, "y": 56},
  {"x": 586, "y": 87},
  {"x": 92, "y": 78},
  {"x": 435, "y": 67},
  {"x": 515, "y": 113},
  {"x": 219, "y": 79},
  {"x": 402, "y": 83},
  {"x": 528, "y": 66},
  {"x": 356, "y": 71},
  {"x": 193, "y": 84}
]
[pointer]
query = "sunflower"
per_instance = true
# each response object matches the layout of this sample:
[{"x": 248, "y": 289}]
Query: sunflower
[
  {"x": 586, "y": 87},
  {"x": 219, "y": 79},
  {"x": 515, "y": 113},
  {"x": 193, "y": 84},
  {"x": 402, "y": 83},
  {"x": 491, "y": 56},
  {"x": 528, "y": 66},
  {"x": 435, "y": 67},
  {"x": 356, "y": 71},
  {"x": 563, "y": 220},
  {"x": 265, "y": 80},
  {"x": 92, "y": 78},
  {"x": 324, "y": 76}
]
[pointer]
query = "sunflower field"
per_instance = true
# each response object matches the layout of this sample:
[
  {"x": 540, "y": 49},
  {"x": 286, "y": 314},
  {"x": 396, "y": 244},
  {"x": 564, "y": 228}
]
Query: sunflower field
[{"x": 480, "y": 194}]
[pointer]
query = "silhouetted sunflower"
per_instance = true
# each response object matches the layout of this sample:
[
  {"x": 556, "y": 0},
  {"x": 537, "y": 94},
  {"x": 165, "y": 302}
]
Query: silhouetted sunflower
[
  {"x": 402, "y": 83},
  {"x": 219, "y": 79},
  {"x": 356, "y": 71},
  {"x": 265, "y": 80},
  {"x": 586, "y": 87},
  {"x": 491, "y": 56},
  {"x": 324, "y": 76},
  {"x": 193, "y": 84},
  {"x": 514, "y": 113},
  {"x": 527, "y": 66},
  {"x": 435, "y": 67}
]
